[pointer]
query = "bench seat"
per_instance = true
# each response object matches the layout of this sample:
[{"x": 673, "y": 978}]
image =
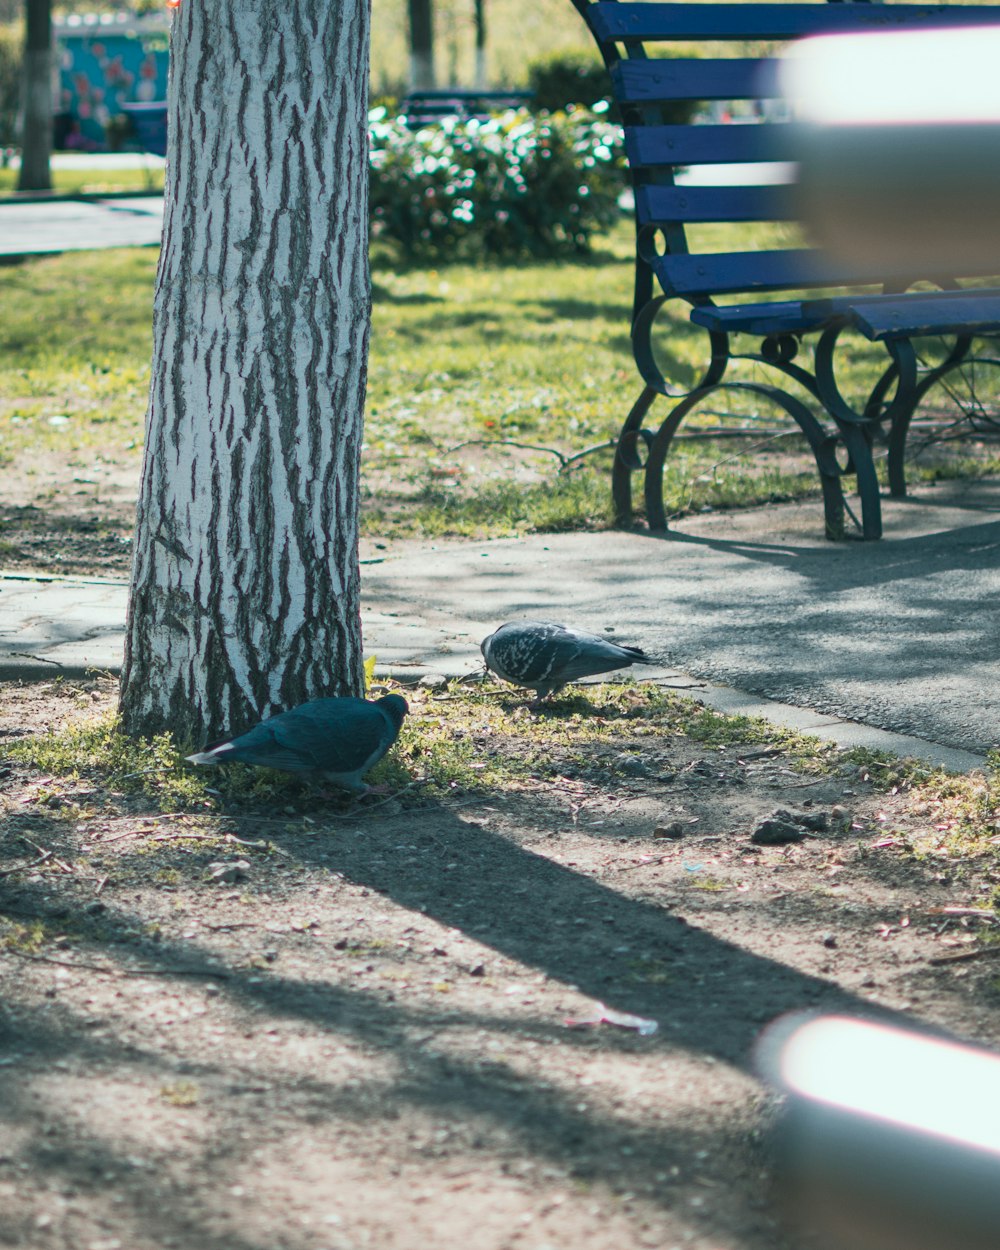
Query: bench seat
[{"x": 878, "y": 317}]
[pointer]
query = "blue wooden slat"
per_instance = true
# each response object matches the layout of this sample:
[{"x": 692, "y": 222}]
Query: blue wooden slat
[
  {"x": 784, "y": 317},
  {"x": 708, "y": 144},
  {"x": 732, "y": 273},
  {"x": 656, "y": 205},
  {"x": 928, "y": 312},
  {"x": 624, "y": 23},
  {"x": 657, "y": 80}
]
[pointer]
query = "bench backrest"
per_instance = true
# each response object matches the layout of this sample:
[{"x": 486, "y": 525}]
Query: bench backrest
[{"x": 628, "y": 34}]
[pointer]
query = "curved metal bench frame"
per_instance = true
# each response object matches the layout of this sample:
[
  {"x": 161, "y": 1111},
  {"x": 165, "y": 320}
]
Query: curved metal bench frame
[{"x": 827, "y": 420}]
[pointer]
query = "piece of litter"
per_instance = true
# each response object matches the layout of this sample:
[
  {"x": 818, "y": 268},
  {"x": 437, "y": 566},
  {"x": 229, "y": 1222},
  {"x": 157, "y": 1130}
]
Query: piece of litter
[{"x": 607, "y": 1015}]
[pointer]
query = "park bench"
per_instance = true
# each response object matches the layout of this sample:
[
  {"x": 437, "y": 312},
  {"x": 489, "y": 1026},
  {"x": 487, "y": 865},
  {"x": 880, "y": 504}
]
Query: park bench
[
  {"x": 775, "y": 351},
  {"x": 422, "y": 108}
]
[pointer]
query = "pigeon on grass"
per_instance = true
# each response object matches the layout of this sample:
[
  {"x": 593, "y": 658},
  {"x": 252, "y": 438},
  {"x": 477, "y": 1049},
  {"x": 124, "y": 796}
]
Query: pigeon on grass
[
  {"x": 544, "y": 657},
  {"x": 335, "y": 740}
]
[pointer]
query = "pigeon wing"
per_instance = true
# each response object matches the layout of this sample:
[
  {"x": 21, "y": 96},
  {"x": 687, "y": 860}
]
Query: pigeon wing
[
  {"x": 585, "y": 655},
  {"x": 335, "y": 735}
]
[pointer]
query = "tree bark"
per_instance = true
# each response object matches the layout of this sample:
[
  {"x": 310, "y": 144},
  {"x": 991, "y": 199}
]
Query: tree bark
[
  {"x": 482, "y": 76},
  {"x": 421, "y": 14},
  {"x": 36, "y": 132},
  {"x": 245, "y": 583}
]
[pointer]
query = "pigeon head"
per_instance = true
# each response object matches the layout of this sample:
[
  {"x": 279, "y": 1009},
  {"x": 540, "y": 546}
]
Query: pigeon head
[{"x": 395, "y": 707}]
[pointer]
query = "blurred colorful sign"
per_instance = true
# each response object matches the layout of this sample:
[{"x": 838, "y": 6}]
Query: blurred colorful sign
[{"x": 103, "y": 66}]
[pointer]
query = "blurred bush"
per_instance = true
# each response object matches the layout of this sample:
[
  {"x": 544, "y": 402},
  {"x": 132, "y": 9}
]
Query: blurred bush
[
  {"x": 515, "y": 184},
  {"x": 563, "y": 78},
  {"x": 580, "y": 77}
]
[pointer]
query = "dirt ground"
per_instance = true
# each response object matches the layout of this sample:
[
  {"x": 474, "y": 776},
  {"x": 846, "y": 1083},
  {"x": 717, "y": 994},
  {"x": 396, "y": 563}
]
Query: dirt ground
[{"x": 330, "y": 1027}]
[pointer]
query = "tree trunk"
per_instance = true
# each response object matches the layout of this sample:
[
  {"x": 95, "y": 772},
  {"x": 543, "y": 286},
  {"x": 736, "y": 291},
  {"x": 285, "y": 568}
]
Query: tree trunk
[
  {"x": 421, "y": 45},
  {"x": 245, "y": 585},
  {"x": 482, "y": 76},
  {"x": 36, "y": 132}
]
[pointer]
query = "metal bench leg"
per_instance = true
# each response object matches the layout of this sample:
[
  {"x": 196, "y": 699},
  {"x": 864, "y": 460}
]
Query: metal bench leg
[
  {"x": 900, "y": 425},
  {"x": 656, "y": 513},
  {"x": 859, "y": 448},
  {"x": 629, "y": 456}
]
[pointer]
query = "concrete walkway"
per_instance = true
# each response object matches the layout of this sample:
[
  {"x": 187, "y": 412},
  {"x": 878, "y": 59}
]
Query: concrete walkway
[
  {"x": 893, "y": 645},
  {"x": 36, "y": 229}
]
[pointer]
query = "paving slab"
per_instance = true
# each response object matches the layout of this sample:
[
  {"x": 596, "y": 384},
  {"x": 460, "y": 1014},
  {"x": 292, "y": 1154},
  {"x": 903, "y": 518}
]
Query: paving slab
[
  {"x": 901, "y": 635},
  {"x": 891, "y": 645}
]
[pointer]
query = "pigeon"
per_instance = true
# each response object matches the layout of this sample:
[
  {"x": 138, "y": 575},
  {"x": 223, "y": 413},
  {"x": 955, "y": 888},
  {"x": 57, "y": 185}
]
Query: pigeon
[
  {"x": 337, "y": 740},
  {"x": 544, "y": 656}
]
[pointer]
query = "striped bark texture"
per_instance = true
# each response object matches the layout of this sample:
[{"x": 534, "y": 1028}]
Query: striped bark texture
[{"x": 245, "y": 585}]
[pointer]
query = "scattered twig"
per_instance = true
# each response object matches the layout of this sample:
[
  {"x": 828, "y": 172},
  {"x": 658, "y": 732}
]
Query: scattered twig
[
  {"x": 9, "y": 872},
  {"x": 61, "y": 863},
  {"x": 985, "y": 912},
  {"x": 982, "y": 953},
  {"x": 259, "y": 845},
  {"x": 802, "y": 785},
  {"x": 650, "y": 863},
  {"x": 129, "y": 833},
  {"x": 565, "y": 461},
  {"x": 219, "y": 974}
]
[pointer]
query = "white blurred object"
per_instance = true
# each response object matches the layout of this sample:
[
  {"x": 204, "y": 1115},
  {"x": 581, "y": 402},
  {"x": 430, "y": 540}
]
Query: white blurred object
[
  {"x": 889, "y": 1139},
  {"x": 899, "y": 146},
  {"x": 932, "y": 76}
]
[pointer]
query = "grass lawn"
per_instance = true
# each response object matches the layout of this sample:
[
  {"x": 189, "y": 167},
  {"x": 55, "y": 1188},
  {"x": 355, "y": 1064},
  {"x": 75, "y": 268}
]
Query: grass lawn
[
  {"x": 472, "y": 367},
  {"x": 93, "y": 181}
]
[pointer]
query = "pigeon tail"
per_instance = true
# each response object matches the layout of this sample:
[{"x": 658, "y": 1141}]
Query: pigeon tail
[{"x": 211, "y": 756}]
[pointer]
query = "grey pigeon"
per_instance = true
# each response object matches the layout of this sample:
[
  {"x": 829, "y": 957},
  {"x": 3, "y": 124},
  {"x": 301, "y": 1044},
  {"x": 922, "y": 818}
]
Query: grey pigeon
[
  {"x": 337, "y": 740},
  {"x": 544, "y": 656}
]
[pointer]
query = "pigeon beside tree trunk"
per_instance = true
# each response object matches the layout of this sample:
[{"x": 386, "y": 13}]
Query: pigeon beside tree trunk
[
  {"x": 337, "y": 740},
  {"x": 543, "y": 656}
]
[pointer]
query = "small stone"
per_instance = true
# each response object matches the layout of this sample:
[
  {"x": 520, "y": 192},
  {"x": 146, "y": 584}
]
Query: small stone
[
  {"x": 226, "y": 873},
  {"x": 818, "y": 822},
  {"x": 840, "y": 817},
  {"x": 478, "y": 971},
  {"x": 633, "y": 766},
  {"x": 771, "y": 832},
  {"x": 830, "y": 941},
  {"x": 815, "y": 821},
  {"x": 675, "y": 829},
  {"x": 95, "y": 908},
  {"x": 433, "y": 681}
]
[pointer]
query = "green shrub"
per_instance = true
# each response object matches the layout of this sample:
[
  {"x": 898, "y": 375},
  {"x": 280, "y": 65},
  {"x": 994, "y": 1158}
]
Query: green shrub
[
  {"x": 565, "y": 78},
  {"x": 11, "y": 45},
  {"x": 515, "y": 184}
]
